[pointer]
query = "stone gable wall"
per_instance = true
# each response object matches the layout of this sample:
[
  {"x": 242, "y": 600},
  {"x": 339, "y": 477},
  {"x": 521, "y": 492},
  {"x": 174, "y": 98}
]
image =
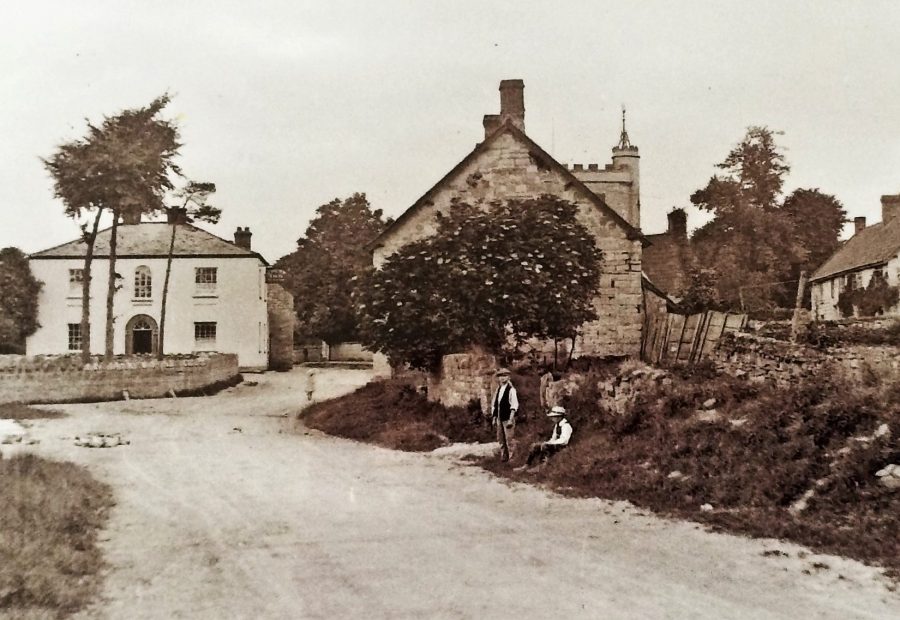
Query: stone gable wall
[
  {"x": 59, "y": 379},
  {"x": 507, "y": 170}
]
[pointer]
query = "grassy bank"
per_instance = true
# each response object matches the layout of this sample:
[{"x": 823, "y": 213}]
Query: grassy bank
[
  {"x": 15, "y": 411},
  {"x": 742, "y": 468},
  {"x": 50, "y": 513},
  {"x": 395, "y": 415}
]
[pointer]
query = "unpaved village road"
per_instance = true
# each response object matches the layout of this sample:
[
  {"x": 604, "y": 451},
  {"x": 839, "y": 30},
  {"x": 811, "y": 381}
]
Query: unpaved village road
[{"x": 213, "y": 522}]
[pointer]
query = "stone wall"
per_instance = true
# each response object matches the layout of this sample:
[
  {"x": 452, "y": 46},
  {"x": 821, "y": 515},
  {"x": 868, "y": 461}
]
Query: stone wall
[
  {"x": 763, "y": 359},
  {"x": 59, "y": 379},
  {"x": 349, "y": 352},
  {"x": 507, "y": 169},
  {"x": 462, "y": 378},
  {"x": 280, "y": 308}
]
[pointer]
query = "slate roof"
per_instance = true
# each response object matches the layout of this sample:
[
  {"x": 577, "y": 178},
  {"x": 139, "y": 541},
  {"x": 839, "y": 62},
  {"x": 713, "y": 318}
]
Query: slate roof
[
  {"x": 538, "y": 153},
  {"x": 151, "y": 240},
  {"x": 872, "y": 246}
]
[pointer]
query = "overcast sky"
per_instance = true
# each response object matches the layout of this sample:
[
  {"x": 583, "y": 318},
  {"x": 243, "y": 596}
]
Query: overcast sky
[{"x": 287, "y": 104}]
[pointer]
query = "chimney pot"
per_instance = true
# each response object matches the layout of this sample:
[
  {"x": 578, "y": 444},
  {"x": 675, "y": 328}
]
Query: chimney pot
[
  {"x": 242, "y": 237},
  {"x": 491, "y": 123},
  {"x": 131, "y": 217},
  {"x": 859, "y": 224},
  {"x": 890, "y": 207},
  {"x": 593, "y": 167},
  {"x": 512, "y": 102},
  {"x": 176, "y": 215},
  {"x": 577, "y": 167}
]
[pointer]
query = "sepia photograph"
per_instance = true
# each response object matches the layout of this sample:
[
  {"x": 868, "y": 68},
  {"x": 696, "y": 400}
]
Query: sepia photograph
[{"x": 458, "y": 310}]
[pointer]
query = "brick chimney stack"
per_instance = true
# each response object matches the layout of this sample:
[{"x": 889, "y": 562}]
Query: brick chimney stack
[
  {"x": 242, "y": 237},
  {"x": 131, "y": 217},
  {"x": 678, "y": 223},
  {"x": 512, "y": 102},
  {"x": 176, "y": 215},
  {"x": 491, "y": 122},
  {"x": 859, "y": 224},
  {"x": 890, "y": 207}
]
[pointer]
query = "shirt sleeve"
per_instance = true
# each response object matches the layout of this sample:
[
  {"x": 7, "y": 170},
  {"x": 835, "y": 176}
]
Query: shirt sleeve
[
  {"x": 565, "y": 433},
  {"x": 513, "y": 399}
]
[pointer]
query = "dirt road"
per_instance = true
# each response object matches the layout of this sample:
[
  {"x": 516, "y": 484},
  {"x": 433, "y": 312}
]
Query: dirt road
[{"x": 222, "y": 513}]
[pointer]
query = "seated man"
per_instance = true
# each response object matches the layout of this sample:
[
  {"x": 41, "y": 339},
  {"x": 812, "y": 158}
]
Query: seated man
[{"x": 559, "y": 439}]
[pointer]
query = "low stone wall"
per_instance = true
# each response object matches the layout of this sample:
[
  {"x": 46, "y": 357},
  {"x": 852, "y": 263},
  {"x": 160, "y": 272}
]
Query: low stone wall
[
  {"x": 760, "y": 359},
  {"x": 462, "y": 378},
  {"x": 349, "y": 352},
  {"x": 59, "y": 379}
]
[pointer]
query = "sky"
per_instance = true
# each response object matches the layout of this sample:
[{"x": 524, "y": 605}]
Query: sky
[{"x": 288, "y": 104}]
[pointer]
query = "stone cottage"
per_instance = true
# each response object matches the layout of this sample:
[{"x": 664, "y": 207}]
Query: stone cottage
[
  {"x": 218, "y": 299},
  {"x": 508, "y": 164},
  {"x": 871, "y": 251}
]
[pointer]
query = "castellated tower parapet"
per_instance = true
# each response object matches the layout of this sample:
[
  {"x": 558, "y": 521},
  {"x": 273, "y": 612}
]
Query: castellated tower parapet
[{"x": 617, "y": 183}]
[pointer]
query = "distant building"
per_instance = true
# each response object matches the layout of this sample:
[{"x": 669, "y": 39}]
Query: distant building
[
  {"x": 872, "y": 251},
  {"x": 217, "y": 299},
  {"x": 667, "y": 259},
  {"x": 508, "y": 164}
]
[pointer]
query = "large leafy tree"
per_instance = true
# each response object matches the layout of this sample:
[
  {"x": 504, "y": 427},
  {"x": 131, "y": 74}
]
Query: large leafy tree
[
  {"x": 193, "y": 206},
  {"x": 123, "y": 166},
  {"x": 322, "y": 272},
  {"x": 817, "y": 219},
  {"x": 749, "y": 246},
  {"x": 513, "y": 270},
  {"x": 18, "y": 300}
]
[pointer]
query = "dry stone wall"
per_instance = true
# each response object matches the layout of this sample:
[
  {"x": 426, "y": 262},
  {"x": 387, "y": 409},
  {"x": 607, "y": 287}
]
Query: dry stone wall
[
  {"x": 464, "y": 377},
  {"x": 761, "y": 359},
  {"x": 59, "y": 379}
]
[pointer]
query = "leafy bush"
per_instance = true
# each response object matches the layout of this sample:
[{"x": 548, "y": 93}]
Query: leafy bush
[{"x": 520, "y": 268}]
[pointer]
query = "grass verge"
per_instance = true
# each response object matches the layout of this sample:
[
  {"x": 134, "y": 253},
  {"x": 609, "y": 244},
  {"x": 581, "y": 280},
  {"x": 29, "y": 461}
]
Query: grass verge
[
  {"x": 394, "y": 414},
  {"x": 50, "y": 513},
  {"x": 15, "y": 411}
]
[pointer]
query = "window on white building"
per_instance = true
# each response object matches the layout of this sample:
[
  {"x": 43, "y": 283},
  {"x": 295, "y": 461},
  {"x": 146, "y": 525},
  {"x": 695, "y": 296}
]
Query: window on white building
[
  {"x": 206, "y": 279},
  {"x": 143, "y": 283},
  {"x": 76, "y": 281},
  {"x": 205, "y": 336},
  {"x": 74, "y": 336}
]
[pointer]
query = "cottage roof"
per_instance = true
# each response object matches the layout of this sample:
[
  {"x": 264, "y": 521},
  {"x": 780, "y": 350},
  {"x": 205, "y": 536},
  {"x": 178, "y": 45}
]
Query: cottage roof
[
  {"x": 151, "y": 240},
  {"x": 539, "y": 154},
  {"x": 872, "y": 246}
]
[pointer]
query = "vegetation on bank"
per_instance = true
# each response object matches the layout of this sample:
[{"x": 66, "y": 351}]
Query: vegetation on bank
[
  {"x": 50, "y": 514},
  {"x": 742, "y": 469},
  {"x": 16, "y": 411}
]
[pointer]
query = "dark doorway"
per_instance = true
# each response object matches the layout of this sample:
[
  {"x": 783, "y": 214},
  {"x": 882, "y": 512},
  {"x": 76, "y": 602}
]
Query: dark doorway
[{"x": 140, "y": 335}]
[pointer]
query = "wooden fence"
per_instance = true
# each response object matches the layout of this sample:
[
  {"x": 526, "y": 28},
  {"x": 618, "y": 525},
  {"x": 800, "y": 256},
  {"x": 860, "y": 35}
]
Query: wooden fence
[{"x": 676, "y": 338}]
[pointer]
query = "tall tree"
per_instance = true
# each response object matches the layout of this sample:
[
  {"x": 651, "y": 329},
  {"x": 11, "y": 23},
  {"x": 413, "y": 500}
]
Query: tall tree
[
  {"x": 123, "y": 166},
  {"x": 521, "y": 269},
  {"x": 193, "y": 207},
  {"x": 817, "y": 219},
  {"x": 19, "y": 291},
  {"x": 322, "y": 272},
  {"x": 749, "y": 245}
]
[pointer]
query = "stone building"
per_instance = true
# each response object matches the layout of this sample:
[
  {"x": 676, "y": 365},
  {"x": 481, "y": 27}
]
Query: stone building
[
  {"x": 217, "y": 298},
  {"x": 871, "y": 251},
  {"x": 508, "y": 164},
  {"x": 667, "y": 259}
]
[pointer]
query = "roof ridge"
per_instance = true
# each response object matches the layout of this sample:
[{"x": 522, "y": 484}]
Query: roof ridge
[{"x": 508, "y": 126}]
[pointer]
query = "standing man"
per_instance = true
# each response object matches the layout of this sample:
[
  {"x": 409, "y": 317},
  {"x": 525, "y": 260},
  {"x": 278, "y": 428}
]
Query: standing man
[{"x": 503, "y": 412}]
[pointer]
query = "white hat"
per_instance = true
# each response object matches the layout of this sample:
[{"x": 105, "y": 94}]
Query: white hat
[{"x": 555, "y": 411}]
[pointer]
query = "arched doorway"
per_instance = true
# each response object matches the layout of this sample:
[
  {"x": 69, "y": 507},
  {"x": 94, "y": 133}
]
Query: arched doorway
[{"x": 141, "y": 335}]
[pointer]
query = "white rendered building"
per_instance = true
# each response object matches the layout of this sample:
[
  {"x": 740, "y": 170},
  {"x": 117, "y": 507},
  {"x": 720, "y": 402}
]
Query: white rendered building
[{"x": 216, "y": 299}]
